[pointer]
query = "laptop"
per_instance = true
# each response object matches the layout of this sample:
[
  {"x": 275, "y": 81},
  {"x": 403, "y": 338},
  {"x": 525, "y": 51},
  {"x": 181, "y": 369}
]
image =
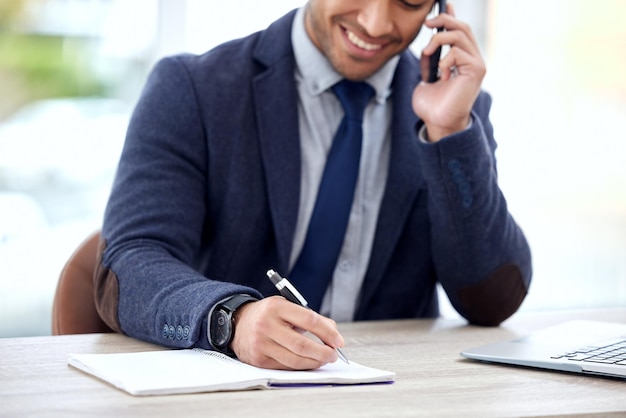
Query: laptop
[{"x": 588, "y": 347}]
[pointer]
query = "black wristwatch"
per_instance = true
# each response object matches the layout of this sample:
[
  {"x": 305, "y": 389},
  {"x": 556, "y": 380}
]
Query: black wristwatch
[{"x": 221, "y": 326}]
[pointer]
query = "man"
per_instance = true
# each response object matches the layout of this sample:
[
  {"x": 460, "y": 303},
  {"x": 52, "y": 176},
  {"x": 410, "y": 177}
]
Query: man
[{"x": 223, "y": 162}]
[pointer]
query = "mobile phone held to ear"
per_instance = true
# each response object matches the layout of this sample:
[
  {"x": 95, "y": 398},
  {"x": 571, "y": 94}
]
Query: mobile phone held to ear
[{"x": 433, "y": 67}]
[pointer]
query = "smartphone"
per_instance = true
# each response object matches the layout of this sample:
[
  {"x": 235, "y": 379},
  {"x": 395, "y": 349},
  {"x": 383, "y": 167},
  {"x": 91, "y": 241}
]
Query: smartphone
[{"x": 433, "y": 67}]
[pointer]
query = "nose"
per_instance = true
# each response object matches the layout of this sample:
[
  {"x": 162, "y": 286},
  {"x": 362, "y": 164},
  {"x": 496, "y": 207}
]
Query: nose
[{"x": 375, "y": 17}]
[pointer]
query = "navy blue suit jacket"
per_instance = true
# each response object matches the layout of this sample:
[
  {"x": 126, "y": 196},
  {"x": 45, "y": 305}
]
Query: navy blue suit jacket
[{"x": 207, "y": 191}]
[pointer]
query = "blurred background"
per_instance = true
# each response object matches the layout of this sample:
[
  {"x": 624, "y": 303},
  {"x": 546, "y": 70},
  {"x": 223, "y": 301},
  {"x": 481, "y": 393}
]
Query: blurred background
[{"x": 71, "y": 71}]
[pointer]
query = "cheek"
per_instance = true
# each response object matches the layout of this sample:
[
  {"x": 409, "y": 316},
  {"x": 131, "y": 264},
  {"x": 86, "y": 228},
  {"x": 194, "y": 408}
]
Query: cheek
[
  {"x": 317, "y": 27},
  {"x": 409, "y": 28},
  {"x": 410, "y": 33}
]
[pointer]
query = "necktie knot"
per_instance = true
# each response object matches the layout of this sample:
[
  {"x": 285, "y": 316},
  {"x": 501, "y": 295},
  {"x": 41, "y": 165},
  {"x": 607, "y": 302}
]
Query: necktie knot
[{"x": 354, "y": 96}]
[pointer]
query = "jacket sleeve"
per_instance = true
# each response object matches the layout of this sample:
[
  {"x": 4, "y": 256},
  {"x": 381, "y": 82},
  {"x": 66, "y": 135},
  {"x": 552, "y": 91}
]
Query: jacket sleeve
[
  {"x": 147, "y": 282},
  {"x": 481, "y": 255}
]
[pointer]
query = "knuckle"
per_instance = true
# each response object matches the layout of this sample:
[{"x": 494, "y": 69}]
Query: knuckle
[
  {"x": 465, "y": 27},
  {"x": 272, "y": 303},
  {"x": 300, "y": 346},
  {"x": 314, "y": 320}
]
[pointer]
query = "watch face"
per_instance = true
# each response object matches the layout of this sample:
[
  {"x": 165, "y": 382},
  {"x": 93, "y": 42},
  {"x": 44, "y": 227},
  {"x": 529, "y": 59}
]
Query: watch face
[{"x": 220, "y": 328}]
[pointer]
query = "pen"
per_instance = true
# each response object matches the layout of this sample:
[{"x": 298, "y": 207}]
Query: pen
[{"x": 290, "y": 293}]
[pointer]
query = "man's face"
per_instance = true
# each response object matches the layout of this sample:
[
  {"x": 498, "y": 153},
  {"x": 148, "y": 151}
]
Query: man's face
[{"x": 359, "y": 36}]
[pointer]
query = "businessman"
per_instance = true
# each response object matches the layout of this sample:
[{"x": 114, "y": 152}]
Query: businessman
[{"x": 315, "y": 148}]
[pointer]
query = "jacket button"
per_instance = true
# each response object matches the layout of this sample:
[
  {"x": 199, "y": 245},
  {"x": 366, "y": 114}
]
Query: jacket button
[{"x": 454, "y": 165}]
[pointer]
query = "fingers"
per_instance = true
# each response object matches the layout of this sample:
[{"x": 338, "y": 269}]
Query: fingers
[
  {"x": 457, "y": 35},
  {"x": 462, "y": 57},
  {"x": 459, "y": 62},
  {"x": 269, "y": 333}
]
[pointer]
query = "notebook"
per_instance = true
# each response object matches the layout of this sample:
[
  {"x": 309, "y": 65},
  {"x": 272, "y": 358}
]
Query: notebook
[
  {"x": 195, "y": 370},
  {"x": 589, "y": 347}
]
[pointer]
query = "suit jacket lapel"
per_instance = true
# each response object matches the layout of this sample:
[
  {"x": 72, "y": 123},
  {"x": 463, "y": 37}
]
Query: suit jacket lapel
[
  {"x": 276, "y": 100},
  {"x": 404, "y": 180}
]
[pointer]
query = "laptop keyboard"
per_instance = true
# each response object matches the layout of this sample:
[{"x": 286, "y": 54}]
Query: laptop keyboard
[{"x": 611, "y": 352}]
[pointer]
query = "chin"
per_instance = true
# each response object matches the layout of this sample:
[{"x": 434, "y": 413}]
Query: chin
[
  {"x": 355, "y": 71},
  {"x": 356, "y": 74}
]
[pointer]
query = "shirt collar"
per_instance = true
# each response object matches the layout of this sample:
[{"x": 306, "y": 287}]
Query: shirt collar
[{"x": 318, "y": 75}]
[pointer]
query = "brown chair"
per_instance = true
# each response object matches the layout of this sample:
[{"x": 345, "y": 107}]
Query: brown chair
[{"x": 74, "y": 308}]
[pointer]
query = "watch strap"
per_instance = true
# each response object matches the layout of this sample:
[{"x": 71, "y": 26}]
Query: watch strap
[{"x": 232, "y": 303}]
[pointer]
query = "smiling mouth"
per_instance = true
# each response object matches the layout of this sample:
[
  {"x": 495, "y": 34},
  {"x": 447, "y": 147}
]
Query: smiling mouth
[{"x": 361, "y": 43}]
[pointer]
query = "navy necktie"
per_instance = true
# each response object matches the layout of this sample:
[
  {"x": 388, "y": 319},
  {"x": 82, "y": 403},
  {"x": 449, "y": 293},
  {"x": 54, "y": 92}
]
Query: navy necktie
[{"x": 315, "y": 265}]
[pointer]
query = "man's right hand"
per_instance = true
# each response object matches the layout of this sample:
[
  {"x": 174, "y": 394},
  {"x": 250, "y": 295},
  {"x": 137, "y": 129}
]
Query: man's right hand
[{"x": 269, "y": 333}]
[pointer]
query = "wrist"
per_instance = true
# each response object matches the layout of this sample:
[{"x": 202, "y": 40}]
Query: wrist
[{"x": 436, "y": 133}]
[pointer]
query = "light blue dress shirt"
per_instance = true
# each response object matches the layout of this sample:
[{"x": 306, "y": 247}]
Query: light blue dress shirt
[{"x": 320, "y": 114}]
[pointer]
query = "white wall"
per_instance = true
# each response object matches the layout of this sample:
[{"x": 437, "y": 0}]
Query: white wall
[{"x": 556, "y": 74}]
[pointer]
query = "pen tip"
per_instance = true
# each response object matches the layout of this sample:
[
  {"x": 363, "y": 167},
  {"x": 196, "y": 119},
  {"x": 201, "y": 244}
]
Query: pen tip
[
  {"x": 270, "y": 273},
  {"x": 342, "y": 356}
]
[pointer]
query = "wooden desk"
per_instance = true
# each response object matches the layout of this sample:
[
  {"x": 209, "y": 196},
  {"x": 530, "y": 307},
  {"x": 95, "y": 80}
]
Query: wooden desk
[{"x": 432, "y": 379}]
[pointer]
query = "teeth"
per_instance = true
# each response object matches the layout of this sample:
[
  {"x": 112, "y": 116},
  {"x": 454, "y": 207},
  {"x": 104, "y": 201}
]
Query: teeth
[{"x": 361, "y": 43}]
